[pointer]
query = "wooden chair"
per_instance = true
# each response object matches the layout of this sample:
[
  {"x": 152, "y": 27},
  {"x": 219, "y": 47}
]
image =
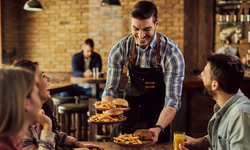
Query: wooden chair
[{"x": 66, "y": 110}]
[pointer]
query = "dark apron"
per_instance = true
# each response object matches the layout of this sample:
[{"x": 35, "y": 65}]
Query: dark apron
[{"x": 145, "y": 93}]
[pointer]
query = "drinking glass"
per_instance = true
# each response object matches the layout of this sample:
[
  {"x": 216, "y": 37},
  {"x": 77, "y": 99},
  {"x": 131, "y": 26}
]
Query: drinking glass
[{"x": 179, "y": 137}]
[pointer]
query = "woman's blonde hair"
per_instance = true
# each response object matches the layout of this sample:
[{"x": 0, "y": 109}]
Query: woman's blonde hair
[{"x": 16, "y": 84}]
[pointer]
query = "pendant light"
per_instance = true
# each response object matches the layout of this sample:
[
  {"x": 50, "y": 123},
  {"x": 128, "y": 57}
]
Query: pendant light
[
  {"x": 33, "y": 5},
  {"x": 110, "y": 2}
]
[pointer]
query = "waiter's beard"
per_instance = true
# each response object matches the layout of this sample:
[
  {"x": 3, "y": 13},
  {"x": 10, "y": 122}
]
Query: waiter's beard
[{"x": 208, "y": 91}]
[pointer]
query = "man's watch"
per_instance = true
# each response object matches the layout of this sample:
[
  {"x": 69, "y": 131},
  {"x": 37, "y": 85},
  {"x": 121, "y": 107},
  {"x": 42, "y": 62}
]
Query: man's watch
[{"x": 162, "y": 130}]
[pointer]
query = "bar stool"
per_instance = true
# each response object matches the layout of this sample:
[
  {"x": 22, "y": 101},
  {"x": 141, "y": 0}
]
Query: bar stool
[
  {"x": 65, "y": 111},
  {"x": 58, "y": 100}
]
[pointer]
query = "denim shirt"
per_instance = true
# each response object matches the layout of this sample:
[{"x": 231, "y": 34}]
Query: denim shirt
[{"x": 229, "y": 128}]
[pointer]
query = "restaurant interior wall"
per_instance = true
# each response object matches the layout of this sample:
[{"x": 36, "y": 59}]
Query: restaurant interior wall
[
  {"x": 231, "y": 27},
  {"x": 54, "y": 35}
]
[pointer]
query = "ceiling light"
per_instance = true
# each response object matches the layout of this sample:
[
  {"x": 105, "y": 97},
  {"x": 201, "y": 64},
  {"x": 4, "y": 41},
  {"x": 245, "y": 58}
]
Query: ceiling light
[
  {"x": 33, "y": 5},
  {"x": 110, "y": 2}
]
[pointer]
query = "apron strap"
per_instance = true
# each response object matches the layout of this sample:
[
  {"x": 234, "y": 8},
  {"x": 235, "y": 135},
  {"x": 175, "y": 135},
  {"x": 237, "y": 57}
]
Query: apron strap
[
  {"x": 158, "y": 57},
  {"x": 132, "y": 53}
]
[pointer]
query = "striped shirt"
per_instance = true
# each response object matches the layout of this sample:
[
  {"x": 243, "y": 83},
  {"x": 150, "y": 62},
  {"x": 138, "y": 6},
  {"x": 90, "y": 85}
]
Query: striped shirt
[
  {"x": 172, "y": 63},
  {"x": 11, "y": 142}
]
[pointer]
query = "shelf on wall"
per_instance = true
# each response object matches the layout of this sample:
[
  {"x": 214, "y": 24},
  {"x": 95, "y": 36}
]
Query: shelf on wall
[
  {"x": 233, "y": 23},
  {"x": 232, "y": 2},
  {"x": 231, "y": 43}
]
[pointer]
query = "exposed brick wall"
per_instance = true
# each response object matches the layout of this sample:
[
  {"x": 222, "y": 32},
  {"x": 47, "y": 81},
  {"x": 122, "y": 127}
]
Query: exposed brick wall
[
  {"x": 10, "y": 28},
  {"x": 53, "y": 35}
]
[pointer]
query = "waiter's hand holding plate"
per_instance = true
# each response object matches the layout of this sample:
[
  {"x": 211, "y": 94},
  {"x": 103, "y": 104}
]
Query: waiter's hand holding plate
[{"x": 140, "y": 138}]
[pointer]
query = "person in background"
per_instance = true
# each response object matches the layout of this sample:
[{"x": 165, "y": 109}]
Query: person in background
[
  {"x": 33, "y": 139},
  {"x": 227, "y": 48},
  {"x": 82, "y": 66},
  {"x": 156, "y": 72},
  {"x": 19, "y": 106},
  {"x": 229, "y": 127}
]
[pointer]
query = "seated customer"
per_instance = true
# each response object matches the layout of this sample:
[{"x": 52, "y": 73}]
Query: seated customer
[
  {"x": 82, "y": 66},
  {"x": 32, "y": 139},
  {"x": 229, "y": 127},
  {"x": 19, "y": 105}
]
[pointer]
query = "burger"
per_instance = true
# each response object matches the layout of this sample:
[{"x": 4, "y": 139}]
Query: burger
[
  {"x": 120, "y": 103},
  {"x": 143, "y": 134},
  {"x": 115, "y": 113}
]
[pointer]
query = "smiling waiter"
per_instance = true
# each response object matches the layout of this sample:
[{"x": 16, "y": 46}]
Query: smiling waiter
[{"x": 156, "y": 72}]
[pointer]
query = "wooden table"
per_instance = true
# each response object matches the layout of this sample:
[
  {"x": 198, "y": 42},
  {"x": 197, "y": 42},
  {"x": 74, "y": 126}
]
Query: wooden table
[
  {"x": 59, "y": 87},
  {"x": 114, "y": 146},
  {"x": 94, "y": 81}
]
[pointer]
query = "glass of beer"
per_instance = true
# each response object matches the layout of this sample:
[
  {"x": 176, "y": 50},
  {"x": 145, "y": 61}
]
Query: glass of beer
[{"x": 179, "y": 137}]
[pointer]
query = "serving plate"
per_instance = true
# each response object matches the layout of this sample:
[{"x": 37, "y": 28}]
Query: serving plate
[
  {"x": 108, "y": 123},
  {"x": 144, "y": 143}
]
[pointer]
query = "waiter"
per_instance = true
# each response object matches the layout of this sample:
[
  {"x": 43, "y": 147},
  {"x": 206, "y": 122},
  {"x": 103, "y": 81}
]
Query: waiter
[{"x": 156, "y": 72}]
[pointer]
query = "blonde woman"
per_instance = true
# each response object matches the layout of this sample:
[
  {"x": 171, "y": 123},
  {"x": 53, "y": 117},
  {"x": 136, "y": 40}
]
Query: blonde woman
[
  {"x": 19, "y": 106},
  {"x": 32, "y": 139}
]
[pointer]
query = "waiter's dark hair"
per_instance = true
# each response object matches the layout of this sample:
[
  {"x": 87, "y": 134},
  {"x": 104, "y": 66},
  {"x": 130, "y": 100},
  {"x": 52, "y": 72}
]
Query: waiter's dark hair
[
  {"x": 144, "y": 10},
  {"x": 89, "y": 42},
  {"x": 227, "y": 70}
]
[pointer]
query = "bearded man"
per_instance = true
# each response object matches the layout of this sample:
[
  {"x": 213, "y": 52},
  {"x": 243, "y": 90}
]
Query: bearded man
[{"x": 229, "y": 127}]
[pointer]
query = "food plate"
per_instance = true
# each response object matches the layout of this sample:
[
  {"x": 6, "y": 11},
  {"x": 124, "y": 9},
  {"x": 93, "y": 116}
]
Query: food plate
[
  {"x": 146, "y": 143},
  {"x": 104, "y": 109},
  {"x": 108, "y": 123}
]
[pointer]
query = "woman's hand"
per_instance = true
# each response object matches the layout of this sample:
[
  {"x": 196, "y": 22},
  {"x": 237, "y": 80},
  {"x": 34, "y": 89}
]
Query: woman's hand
[
  {"x": 44, "y": 120},
  {"x": 93, "y": 146},
  {"x": 90, "y": 145}
]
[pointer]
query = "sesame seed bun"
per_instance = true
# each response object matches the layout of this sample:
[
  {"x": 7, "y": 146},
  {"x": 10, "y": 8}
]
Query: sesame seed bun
[{"x": 120, "y": 102}]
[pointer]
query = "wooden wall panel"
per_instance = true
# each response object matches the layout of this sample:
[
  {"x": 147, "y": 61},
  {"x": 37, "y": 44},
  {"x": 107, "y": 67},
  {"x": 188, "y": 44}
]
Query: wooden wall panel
[
  {"x": 205, "y": 31},
  {"x": 198, "y": 32},
  {"x": 190, "y": 34}
]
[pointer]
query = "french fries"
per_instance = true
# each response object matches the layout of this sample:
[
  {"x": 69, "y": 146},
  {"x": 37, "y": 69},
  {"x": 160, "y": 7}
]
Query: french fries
[
  {"x": 107, "y": 105},
  {"x": 128, "y": 139},
  {"x": 102, "y": 118}
]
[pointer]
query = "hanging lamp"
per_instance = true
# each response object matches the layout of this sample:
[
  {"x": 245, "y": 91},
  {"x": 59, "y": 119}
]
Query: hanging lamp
[
  {"x": 110, "y": 2},
  {"x": 33, "y": 5}
]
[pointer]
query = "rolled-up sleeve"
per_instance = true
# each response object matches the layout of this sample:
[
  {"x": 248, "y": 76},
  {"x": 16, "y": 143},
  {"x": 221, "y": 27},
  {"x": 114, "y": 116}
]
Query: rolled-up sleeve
[{"x": 174, "y": 75}]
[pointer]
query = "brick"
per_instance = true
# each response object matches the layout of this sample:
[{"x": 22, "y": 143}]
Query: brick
[
  {"x": 52, "y": 36},
  {"x": 179, "y": 6},
  {"x": 49, "y": 66}
]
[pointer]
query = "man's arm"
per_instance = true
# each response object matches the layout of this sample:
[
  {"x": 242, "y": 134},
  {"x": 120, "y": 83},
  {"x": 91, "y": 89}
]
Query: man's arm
[
  {"x": 240, "y": 129},
  {"x": 77, "y": 68},
  {"x": 173, "y": 70},
  {"x": 114, "y": 73},
  {"x": 166, "y": 117},
  {"x": 107, "y": 98}
]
